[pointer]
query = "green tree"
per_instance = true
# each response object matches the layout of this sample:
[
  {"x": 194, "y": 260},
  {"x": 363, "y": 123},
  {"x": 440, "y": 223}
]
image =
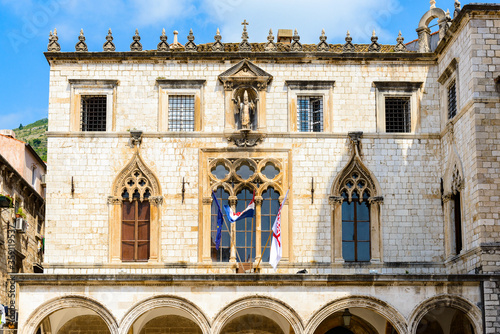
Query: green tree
[{"x": 21, "y": 126}]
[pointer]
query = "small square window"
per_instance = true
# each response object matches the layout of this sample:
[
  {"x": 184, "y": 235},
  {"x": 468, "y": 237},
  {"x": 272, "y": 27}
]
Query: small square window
[
  {"x": 93, "y": 112},
  {"x": 310, "y": 113},
  {"x": 452, "y": 100},
  {"x": 397, "y": 114},
  {"x": 181, "y": 113}
]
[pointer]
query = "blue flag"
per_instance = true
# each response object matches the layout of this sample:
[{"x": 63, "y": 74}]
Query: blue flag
[{"x": 220, "y": 221}]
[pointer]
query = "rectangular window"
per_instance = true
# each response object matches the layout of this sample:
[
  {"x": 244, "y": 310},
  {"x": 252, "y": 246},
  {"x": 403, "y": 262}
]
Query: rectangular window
[
  {"x": 93, "y": 112},
  {"x": 135, "y": 231},
  {"x": 452, "y": 100},
  {"x": 397, "y": 114},
  {"x": 310, "y": 113},
  {"x": 181, "y": 113},
  {"x": 355, "y": 231}
]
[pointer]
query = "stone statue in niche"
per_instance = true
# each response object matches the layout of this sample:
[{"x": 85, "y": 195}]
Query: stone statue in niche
[{"x": 246, "y": 111}]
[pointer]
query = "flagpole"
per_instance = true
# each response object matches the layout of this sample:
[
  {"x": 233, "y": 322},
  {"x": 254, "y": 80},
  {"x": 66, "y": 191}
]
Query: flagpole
[
  {"x": 265, "y": 247},
  {"x": 228, "y": 229}
]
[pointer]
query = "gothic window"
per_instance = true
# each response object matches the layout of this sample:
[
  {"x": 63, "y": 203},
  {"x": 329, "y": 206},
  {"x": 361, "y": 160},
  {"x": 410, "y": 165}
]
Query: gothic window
[
  {"x": 310, "y": 113},
  {"x": 93, "y": 113},
  {"x": 456, "y": 212},
  {"x": 452, "y": 100},
  {"x": 356, "y": 203},
  {"x": 134, "y": 214},
  {"x": 181, "y": 113},
  {"x": 235, "y": 181}
]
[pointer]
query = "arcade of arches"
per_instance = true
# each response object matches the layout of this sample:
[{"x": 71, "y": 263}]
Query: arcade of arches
[{"x": 176, "y": 318}]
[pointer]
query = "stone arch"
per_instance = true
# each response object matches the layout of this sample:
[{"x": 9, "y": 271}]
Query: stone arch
[
  {"x": 69, "y": 301},
  {"x": 424, "y": 33},
  {"x": 136, "y": 165},
  {"x": 258, "y": 302},
  {"x": 434, "y": 13},
  {"x": 378, "y": 306},
  {"x": 471, "y": 311},
  {"x": 155, "y": 302},
  {"x": 454, "y": 171},
  {"x": 348, "y": 181}
]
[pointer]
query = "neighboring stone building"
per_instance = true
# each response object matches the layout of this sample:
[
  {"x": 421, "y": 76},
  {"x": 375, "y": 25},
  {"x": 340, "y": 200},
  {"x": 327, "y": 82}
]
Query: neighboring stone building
[
  {"x": 391, "y": 159},
  {"x": 22, "y": 224}
]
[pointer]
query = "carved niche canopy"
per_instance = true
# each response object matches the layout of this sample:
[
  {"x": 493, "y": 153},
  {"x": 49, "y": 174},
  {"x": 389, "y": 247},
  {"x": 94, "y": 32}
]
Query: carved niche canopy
[{"x": 245, "y": 73}]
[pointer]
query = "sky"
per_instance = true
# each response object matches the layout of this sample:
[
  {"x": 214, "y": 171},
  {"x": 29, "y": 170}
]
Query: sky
[{"x": 25, "y": 26}]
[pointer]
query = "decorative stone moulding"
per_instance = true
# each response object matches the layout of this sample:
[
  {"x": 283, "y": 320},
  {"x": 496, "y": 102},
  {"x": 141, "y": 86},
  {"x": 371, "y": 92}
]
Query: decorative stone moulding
[
  {"x": 53, "y": 45},
  {"x": 246, "y": 138},
  {"x": 296, "y": 46},
  {"x": 163, "y": 45},
  {"x": 81, "y": 46},
  {"x": 190, "y": 45},
  {"x": 348, "y": 46},
  {"x": 136, "y": 45},
  {"x": 374, "y": 47},
  {"x": 323, "y": 45},
  {"x": 109, "y": 45},
  {"x": 218, "y": 46},
  {"x": 270, "y": 45}
]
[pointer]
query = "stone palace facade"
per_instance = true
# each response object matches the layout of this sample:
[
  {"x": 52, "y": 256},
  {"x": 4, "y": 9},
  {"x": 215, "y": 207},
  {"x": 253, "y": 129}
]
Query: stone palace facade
[{"x": 391, "y": 158}]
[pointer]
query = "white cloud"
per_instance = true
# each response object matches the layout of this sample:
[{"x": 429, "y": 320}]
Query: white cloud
[{"x": 336, "y": 17}]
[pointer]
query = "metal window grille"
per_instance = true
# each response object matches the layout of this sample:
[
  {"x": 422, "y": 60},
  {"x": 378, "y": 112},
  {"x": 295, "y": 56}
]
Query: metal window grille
[
  {"x": 93, "y": 112},
  {"x": 397, "y": 114},
  {"x": 452, "y": 100},
  {"x": 310, "y": 110},
  {"x": 181, "y": 113}
]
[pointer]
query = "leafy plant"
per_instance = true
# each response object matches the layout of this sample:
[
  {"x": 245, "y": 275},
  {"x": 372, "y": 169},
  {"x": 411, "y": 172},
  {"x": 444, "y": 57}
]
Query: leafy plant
[{"x": 21, "y": 213}]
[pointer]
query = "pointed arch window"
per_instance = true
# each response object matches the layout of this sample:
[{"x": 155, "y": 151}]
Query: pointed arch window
[
  {"x": 355, "y": 203},
  {"x": 453, "y": 212},
  {"x": 134, "y": 214}
]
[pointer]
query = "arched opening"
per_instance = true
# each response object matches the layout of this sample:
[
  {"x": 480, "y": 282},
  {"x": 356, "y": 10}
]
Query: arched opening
[
  {"x": 77, "y": 320},
  {"x": 164, "y": 320},
  {"x": 445, "y": 320},
  {"x": 255, "y": 320},
  {"x": 355, "y": 320}
]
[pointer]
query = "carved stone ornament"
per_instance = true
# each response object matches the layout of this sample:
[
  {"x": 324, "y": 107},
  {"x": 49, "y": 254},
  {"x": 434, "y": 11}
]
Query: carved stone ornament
[
  {"x": 218, "y": 46},
  {"x": 333, "y": 200},
  {"x": 348, "y": 46},
  {"x": 457, "y": 183},
  {"x": 296, "y": 46},
  {"x": 245, "y": 73},
  {"x": 136, "y": 45},
  {"x": 270, "y": 45},
  {"x": 163, "y": 45},
  {"x": 53, "y": 44},
  {"x": 244, "y": 45},
  {"x": 323, "y": 45},
  {"x": 81, "y": 46},
  {"x": 109, "y": 45},
  {"x": 136, "y": 180},
  {"x": 114, "y": 200},
  {"x": 135, "y": 137},
  {"x": 400, "y": 47},
  {"x": 156, "y": 200},
  {"x": 458, "y": 8},
  {"x": 355, "y": 177},
  {"x": 374, "y": 47},
  {"x": 246, "y": 138},
  {"x": 190, "y": 46}
]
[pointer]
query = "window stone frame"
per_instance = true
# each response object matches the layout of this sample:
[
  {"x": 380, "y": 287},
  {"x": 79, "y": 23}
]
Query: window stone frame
[
  {"x": 449, "y": 75},
  {"x": 320, "y": 88},
  {"x": 171, "y": 87},
  {"x": 82, "y": 87},
  {"x": 401, "y": 89}
]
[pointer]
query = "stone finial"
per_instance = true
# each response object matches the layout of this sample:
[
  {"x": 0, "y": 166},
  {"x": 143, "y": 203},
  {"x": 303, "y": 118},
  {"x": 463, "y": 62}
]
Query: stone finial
[
  {"x": 400, "y": 47},
  {"x": 109, "y": 45},
  {"x": 374, "y": 47},
  {"x": 190, "y": 46},
  {"x": 244, "y": 45},
  {"x": 323, "y": 45},
  {"x": 270, "y": 45},
  {"x": 218, "y": 46},
  {"x": 296, "y": 46},
  {"x": 176, "y": 44},
  {"x": 163, "y": 45},
  {"x": 53, "y": 45},
  {"x": 81, "y": 46},
  {"x": 348, "y": 46},
  {"x": 448, "y": 20},
  {"x": 136, "y": 45},
  {"x": 433, "y": 4},
  {"x": 458, "y": 8}
]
